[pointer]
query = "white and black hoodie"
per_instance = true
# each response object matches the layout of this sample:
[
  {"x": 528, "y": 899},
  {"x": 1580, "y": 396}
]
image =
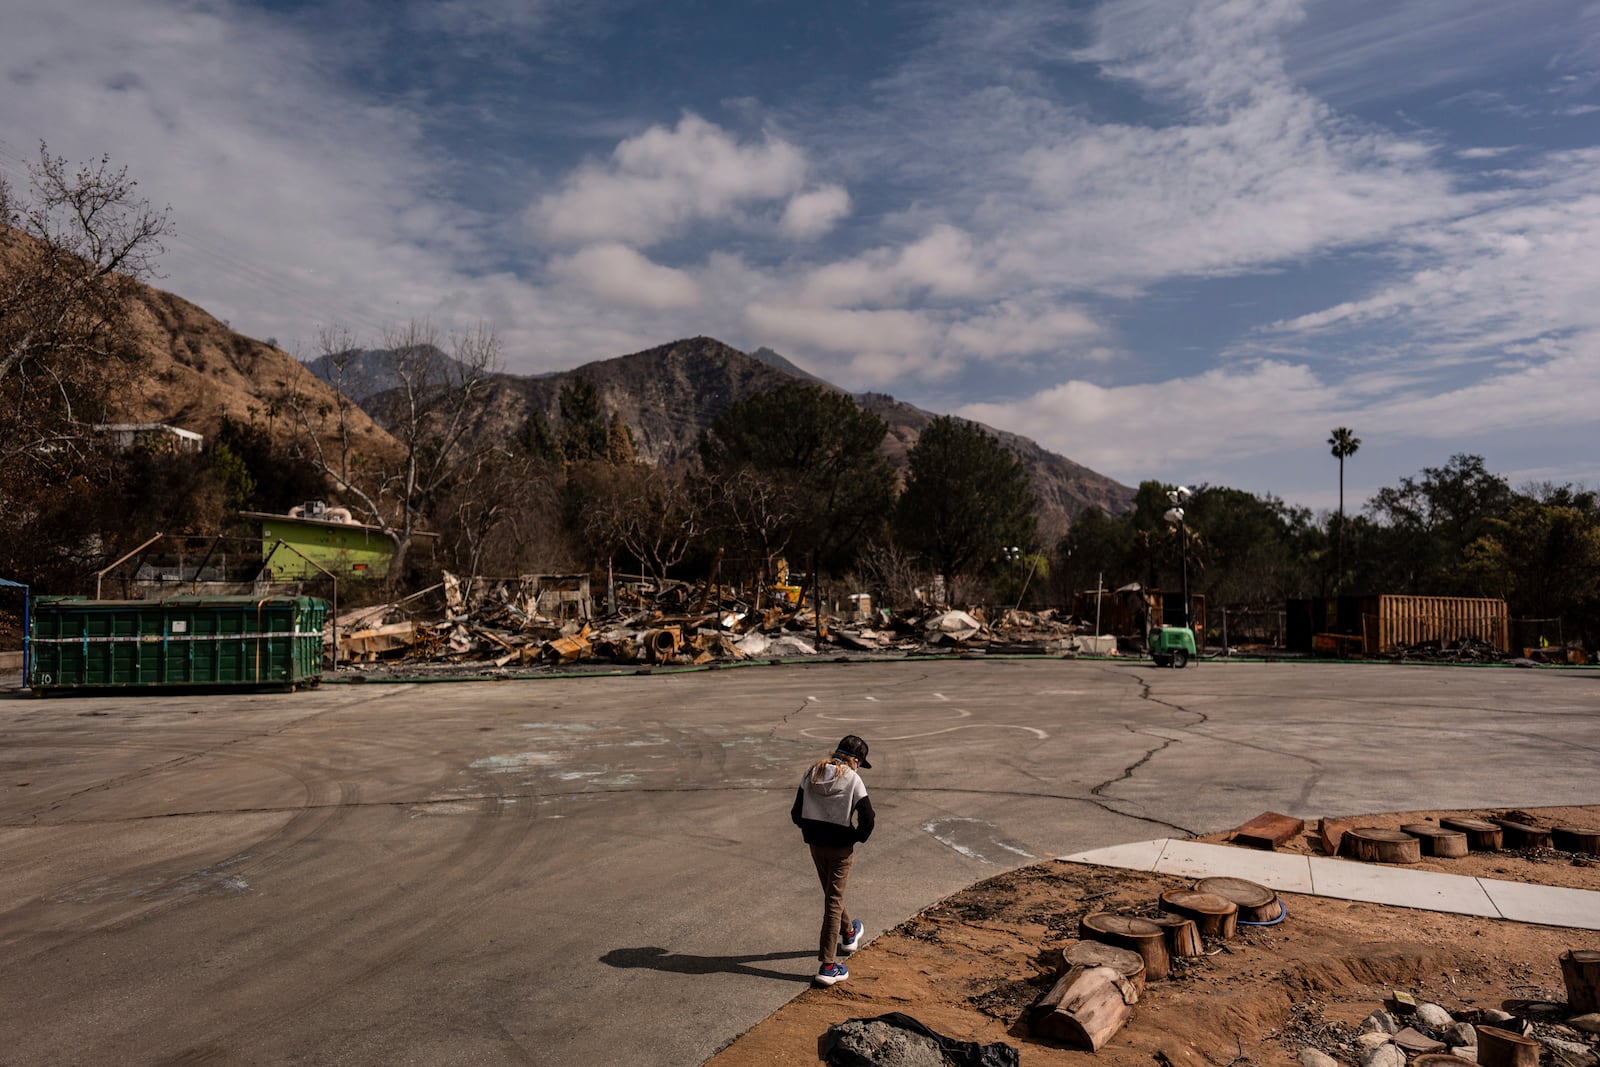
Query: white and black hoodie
[{"x": 834, "y": 811}]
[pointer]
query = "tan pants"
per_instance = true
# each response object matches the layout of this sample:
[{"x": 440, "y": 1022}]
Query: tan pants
[{"x": 833, "y": 870}]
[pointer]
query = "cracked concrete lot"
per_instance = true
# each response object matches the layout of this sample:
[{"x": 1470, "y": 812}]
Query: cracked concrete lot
[{"x": 601, "y": 870}]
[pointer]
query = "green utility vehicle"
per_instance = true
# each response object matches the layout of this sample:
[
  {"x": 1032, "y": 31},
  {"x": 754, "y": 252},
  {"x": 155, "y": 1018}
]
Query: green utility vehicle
[{"x": 1171, "y": 646}]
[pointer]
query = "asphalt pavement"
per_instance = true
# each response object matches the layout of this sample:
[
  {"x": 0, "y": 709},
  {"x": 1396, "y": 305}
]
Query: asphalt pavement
[{"x": 601, "y": 870}]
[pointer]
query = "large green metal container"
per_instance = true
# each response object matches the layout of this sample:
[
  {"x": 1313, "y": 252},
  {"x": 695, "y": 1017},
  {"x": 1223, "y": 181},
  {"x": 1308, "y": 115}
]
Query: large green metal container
[{"x": 273, "y": 641}]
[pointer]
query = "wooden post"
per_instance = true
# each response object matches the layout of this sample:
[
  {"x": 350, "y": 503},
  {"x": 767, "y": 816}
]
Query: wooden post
[
  {"x": 1381, "y": 846},
  {"x": 1580, "y": 969},
  {"x": 1127, "y": 931},
  {"x": 1501, "y": 1048},
  {"x": 1085, "y": 1008},
  {"x": 1437, "y": 841},
  {"x": 1481, "y": 836},
  {"x": 1215, "y": 916}
]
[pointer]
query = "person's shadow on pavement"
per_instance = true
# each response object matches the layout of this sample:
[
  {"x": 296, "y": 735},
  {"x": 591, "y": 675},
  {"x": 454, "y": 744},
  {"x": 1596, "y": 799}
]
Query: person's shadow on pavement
[{"x": 659, "y": 959}]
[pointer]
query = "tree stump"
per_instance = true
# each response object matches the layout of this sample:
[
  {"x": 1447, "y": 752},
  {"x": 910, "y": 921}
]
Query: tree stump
[
  {"x": 1381, "y": 846},
  {"x": 1215, "y": 916},
  {"x": 1331, "y": 831},
  {"x": 1481, "y": 836},
  {"x": 1124, "y": 961},
  {"x": 1501, "y": 1048},
  {"x": 1183, "y": 936},
  {"x": 1580, "y": 969},
  {"x": 1571, "y": 839},
  {"x": 1086, "y": 1007},
  {"x": 1437, "y": 841},
  {"x": 1257, "y": 903},
  {"x": 1522, "y": 835},
  {"x": 1128, "y": 931}
]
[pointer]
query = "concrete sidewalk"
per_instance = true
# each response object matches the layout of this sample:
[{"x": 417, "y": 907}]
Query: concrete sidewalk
[{"x": 1351, "y": 880}]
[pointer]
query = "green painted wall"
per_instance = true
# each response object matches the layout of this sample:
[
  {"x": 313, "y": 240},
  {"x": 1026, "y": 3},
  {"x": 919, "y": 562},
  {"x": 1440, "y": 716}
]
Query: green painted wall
[{"x": 348, "y": 551}]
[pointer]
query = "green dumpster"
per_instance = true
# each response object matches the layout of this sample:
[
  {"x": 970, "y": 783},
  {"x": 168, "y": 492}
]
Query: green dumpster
[{"x": 248, "y": 641}]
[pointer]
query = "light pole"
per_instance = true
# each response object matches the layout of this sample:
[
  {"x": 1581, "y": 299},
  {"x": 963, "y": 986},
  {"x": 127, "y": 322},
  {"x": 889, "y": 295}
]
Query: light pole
[{"x": 1178, "y": 498}]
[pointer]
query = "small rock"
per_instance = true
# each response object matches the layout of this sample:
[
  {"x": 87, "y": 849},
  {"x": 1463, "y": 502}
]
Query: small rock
[
  {"x": 1496, "y": 1017},
  {"x": 1372, "y": 1039},
  {"x": 1379, "y": 1022},
  {"x": 1466, "y": 1052},
  {"x": 1459, "y": 1034},
  {"x": 1574, "y": 1052},
  {"x": 1589, "y": 1024},
  {"x": 1433, "y": 1015},
  {"x": 1311, "y": 1057},
  {"x": 1385, "y": 1055}
]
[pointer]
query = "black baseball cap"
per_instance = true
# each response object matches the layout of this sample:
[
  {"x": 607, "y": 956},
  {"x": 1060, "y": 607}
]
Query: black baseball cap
[{"x": 852, "y": 746}]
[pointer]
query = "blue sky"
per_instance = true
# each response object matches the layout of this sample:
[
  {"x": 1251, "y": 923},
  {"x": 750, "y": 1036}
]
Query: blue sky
[{"x": 1169, "y": 239}]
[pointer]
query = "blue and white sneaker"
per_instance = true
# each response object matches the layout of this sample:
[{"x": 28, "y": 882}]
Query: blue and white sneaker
[
  {"x": 833, "y": 972},
  {"x": 849, "y": 944}
]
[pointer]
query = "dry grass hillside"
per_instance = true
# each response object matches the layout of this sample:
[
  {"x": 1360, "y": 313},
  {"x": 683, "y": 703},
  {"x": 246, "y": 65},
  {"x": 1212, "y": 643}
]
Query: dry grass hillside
[
  {"x": 197, "y": 370},
  {"x": 194, "y": 369}
]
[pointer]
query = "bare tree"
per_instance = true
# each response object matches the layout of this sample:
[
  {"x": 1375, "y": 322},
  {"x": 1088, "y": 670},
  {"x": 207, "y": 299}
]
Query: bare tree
[
  {"x": 654, "y": 515},
  {"x": 71, "y": 250},
  {"x": 429, "y": 410}
]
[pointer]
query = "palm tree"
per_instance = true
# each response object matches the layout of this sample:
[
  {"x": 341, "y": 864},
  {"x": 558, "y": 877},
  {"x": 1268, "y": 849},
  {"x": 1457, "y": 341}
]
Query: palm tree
[{"x": 1344, "y": 443}]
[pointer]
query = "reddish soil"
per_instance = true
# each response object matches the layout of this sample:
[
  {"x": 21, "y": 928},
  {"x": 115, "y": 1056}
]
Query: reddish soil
[{"x": 971, "y": 965}]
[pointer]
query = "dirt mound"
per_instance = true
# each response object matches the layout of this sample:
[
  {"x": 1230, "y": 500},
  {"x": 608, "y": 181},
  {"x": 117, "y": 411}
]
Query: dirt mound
[{"x": 971, "y": 965}]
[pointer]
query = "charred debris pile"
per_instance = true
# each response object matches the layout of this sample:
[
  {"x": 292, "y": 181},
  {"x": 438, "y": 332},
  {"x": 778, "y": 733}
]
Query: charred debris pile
[{"x": 549, "y": 622}]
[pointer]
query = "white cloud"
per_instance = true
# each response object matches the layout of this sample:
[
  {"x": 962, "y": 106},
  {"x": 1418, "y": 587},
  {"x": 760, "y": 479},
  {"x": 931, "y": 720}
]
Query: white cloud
[
  {"x": 939, "y": 265},
  {"x": 664, "y": 180},
  {"x": 1011, "y": 328},
  {"x": 620, "y": 275},
  {"x": 814, "y": 213},
  {"x": 842, "y": 330}
]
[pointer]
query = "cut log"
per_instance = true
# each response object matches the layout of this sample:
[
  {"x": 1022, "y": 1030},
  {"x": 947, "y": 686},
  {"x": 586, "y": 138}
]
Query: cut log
[
  {"x": 1580, "y": 968},
  {"x": 1124, "y": 961},
  {"x": 1437, "y": 841},
  {"x": 1522, "y": 835},
  {"x": 1571, "y": 839},
  {"x": 1183, "y": 936},
  {"x": 1267, "y": 830},
  {"x": 1502, "y": 1048},
  {"x": 1481, "y": 836},
  {"x": 1215, "y": 916},
  {"x": 1381, "y": 846},
  {"x": 1085, "y": 1008},
  {"x": 1329, "y": 831},
  {"x": 1131, "y": 932},
  {"x": 1257, "y": 903}
]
